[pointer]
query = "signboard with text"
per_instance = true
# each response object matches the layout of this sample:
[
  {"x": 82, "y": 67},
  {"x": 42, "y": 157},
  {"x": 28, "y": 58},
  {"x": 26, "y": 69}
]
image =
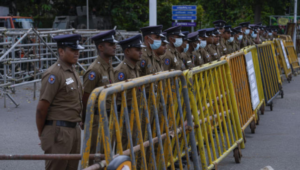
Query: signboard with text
[{"x": 184, "y": 12}]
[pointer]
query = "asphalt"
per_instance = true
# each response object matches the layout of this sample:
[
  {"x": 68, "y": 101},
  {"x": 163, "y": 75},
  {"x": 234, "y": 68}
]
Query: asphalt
[{"x": 275, "y": 143}]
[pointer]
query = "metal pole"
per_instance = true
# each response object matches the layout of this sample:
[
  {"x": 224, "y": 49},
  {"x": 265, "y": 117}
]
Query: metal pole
[
  {"x": 295, "y": 21},
  {"x": 152, "y": 12},
  {"x": 87, "y": 15}
]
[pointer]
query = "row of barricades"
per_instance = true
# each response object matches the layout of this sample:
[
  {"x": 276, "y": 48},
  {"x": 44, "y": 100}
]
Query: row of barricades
[{"x": 193, "y": 118}]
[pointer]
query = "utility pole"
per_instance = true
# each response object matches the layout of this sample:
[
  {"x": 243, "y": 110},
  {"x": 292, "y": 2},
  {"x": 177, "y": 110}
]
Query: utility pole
[
  {"x": 295, "y": 21},
  {"x": 152, "y": 12},
  {"x": 87, "y": 15}
]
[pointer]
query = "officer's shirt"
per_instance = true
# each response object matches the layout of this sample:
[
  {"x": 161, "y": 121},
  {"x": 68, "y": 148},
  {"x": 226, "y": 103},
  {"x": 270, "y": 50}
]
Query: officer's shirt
[
  {"x": 188, "y": 59},
  {"x": 212, "y": 51},
  {"x": 198, "y": 58},
  {"x": 206, "y": 56},
  {"x": 250, "y": 40},
  {"x": 182, "y": 58},
  {"x": 62, "y": 88},
  {"x": 99, "y": 73},
  {"x": 223, "y": 48},
  {"x": 230, "y": 47},
  {"x": 170, "y": 59},
  {"x": 147, "y": 62},
  {"x": 244, "y": 42},
  {"x": 236, "y": 45}
]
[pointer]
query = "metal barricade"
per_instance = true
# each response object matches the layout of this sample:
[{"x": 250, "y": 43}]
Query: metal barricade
[
  {"x": 274, "y": 50},
  {"x": 293, "y": 58},
  {"x": 247, "y": 114},
  {"x": 268, "y": 73},
  {"x": 257, "y": 70},
  {"x": 215, "y": 110},
  {"x": 153, "y": 141},
  {"x": 285, "y": 37},
  {"x": 282, "y": 59}
]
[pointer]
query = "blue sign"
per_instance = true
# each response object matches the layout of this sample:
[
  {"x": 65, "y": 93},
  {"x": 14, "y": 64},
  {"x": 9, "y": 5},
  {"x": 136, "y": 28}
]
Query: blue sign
[
  {"x": 184, "y": 7},
  {"x": 184, "y": 24},
  {"x": 184, "y": 13},
  {"x": 184, "y": 17}
]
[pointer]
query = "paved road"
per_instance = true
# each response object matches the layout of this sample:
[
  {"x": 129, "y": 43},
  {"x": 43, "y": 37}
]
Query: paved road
[{"x": 275, "y": 143}]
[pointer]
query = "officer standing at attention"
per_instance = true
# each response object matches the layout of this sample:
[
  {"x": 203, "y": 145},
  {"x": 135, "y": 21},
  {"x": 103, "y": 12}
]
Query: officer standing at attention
[
  {"x": 238, "y": 37},
  {"x": 182, "y": 50},
  {"x": 189, "y": 57},
  {"x": 210, "y": 48},
  {"x": 203, "y": 43},
  {"x": 220, "y": 24},
  {"x": 99, "y": 73},
  {"x": 128, "y": 68},
  {"x": 216, "y": 42},
  {"x": 171, "y": 57},
  {"x": 228, "y": 35},
  {"x": 195, "y": 52},
  {"x": 59, "y": 109},
  {"x": 149, "y": 63},
  {"x": 246, "y": 31},
  {"x": 161, "y": 50}
]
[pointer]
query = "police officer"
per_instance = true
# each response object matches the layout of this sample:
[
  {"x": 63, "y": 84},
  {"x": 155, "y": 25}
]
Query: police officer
[
  {"x": 228, "y": 37},
  {"x": 211, "y": 48},
  {"x": 198, "y": 58},
  {"x": 238, "y": 37},
  {"x": 216, "y": 43},
  {"x": 261, "y": 33},
  {"x": 203, "y": 44},
  {"x": 246, "y": 32},
  {"x": 59, "y": 109},
  {"x": 128, "y": 68},
  {"x": 220, "y": 25},
  {"x": 149, "y": 63},
  {"x": 182, "y": 50},
  {"x": 254, "y": 34},
  {"x": 171, "y": 57},
  {"x": 99, "y": 73},
  {"x": 161, "y": 50}
]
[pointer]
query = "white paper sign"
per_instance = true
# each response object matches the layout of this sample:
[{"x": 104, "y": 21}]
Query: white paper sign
[
  {"x": 252, "y": 80},
  {"x": 285, "y": 56}
]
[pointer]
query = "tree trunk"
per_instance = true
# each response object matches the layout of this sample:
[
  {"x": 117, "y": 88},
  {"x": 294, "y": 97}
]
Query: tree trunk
[{"x": 257, "y": 12}]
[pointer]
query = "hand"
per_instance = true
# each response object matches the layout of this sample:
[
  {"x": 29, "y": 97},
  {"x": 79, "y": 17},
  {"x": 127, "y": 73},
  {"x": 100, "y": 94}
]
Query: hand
[{"x": 81, "y": 124}]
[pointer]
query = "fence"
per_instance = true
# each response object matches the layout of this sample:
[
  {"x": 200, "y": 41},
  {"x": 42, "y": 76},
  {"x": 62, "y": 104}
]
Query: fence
[
  {"x": 247, "y": 98},
  {"x": 293, "y": 57},
  {"x": 26, "y": 54}
]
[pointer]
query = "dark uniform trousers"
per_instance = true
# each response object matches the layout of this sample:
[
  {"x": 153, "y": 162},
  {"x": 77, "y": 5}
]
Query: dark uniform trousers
[{"x": 61, "y": 140}]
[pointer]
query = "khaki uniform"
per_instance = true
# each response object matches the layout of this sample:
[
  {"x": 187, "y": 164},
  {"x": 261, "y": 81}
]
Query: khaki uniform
[
  {"x": 212, "y": 51},
  {"x": 171, "y": 59},
  {"x": 246, "y": 41},
  {"x": 222, "y": 47},
  {"x": 236, "y": 45},
  {"x": 62, "y": 88},
  {"x": 206, "y": 56},
  {"x": 230, "y": 47},
  {"x": 99, "y": 73},
  {"x": 149, "y": 63},
  {"x": 250, "y": 40},
  {"x": 198, "y": 58},
  {"x": 181, "y": 61},
  {"x": 188, "y": 59}
]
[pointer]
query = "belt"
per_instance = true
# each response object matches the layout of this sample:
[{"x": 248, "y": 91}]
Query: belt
[{"x": 62, "y": 123}]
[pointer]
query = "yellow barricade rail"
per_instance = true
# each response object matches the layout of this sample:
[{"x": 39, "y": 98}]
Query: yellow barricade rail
[
  {"x": 144, "y": 123},
  {"x": 282, "y": 61},
  {"x": 293, "y": 58},
  {"x": 285, "y": 37},
  {"x": 214, "y": 109},
  {"x": 238, "y": 69},
  {"x": 256, "y": 65},
  {"x": 268, "y": 73},
  {"x": 274, "y": 50}
]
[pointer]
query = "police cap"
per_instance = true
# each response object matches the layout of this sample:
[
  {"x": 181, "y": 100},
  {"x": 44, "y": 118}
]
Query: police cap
[
  {"x": 156, "y": 30},
  {"x": 70, "y": 40},
  {"x": 210, "y": 32},
  {"x": 244, "y": 24},
  {"x": 185, "y": 33},
  {"x": 174, "y": 31},
  {"x": 219, "y": 24},
  {"x": 202, "y": 33},
  {"x": 107, "y": 36},
  {"x": 228, "y": 28},
  {"x": 135, "y": 41},
  {"x": 194, "y": 36}
]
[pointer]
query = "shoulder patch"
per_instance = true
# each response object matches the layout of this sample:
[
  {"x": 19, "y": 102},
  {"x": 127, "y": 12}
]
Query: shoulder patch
[
  {"x": 143, "y": 63},
  {"x": 92, "y": 75},
  {"x": 167, "y": 61},
  {"x": 51, "y": 79},
  {"x": 121, "y": 76}
]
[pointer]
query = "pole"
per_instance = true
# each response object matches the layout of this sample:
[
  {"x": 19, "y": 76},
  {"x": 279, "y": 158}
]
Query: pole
[
  {"x": 295, "y": 21},
  {"x": 87, "y": 15},
  {"x": 152, "y": 12}
]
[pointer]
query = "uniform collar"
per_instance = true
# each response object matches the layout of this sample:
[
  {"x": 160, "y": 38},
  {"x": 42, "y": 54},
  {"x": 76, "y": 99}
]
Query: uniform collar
[
  {"x": 127, "y": 62},
  {"x": 104, "y": 63},
  {"x": 64, "y": 65},
  {"x": 148, "y": 52}
]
